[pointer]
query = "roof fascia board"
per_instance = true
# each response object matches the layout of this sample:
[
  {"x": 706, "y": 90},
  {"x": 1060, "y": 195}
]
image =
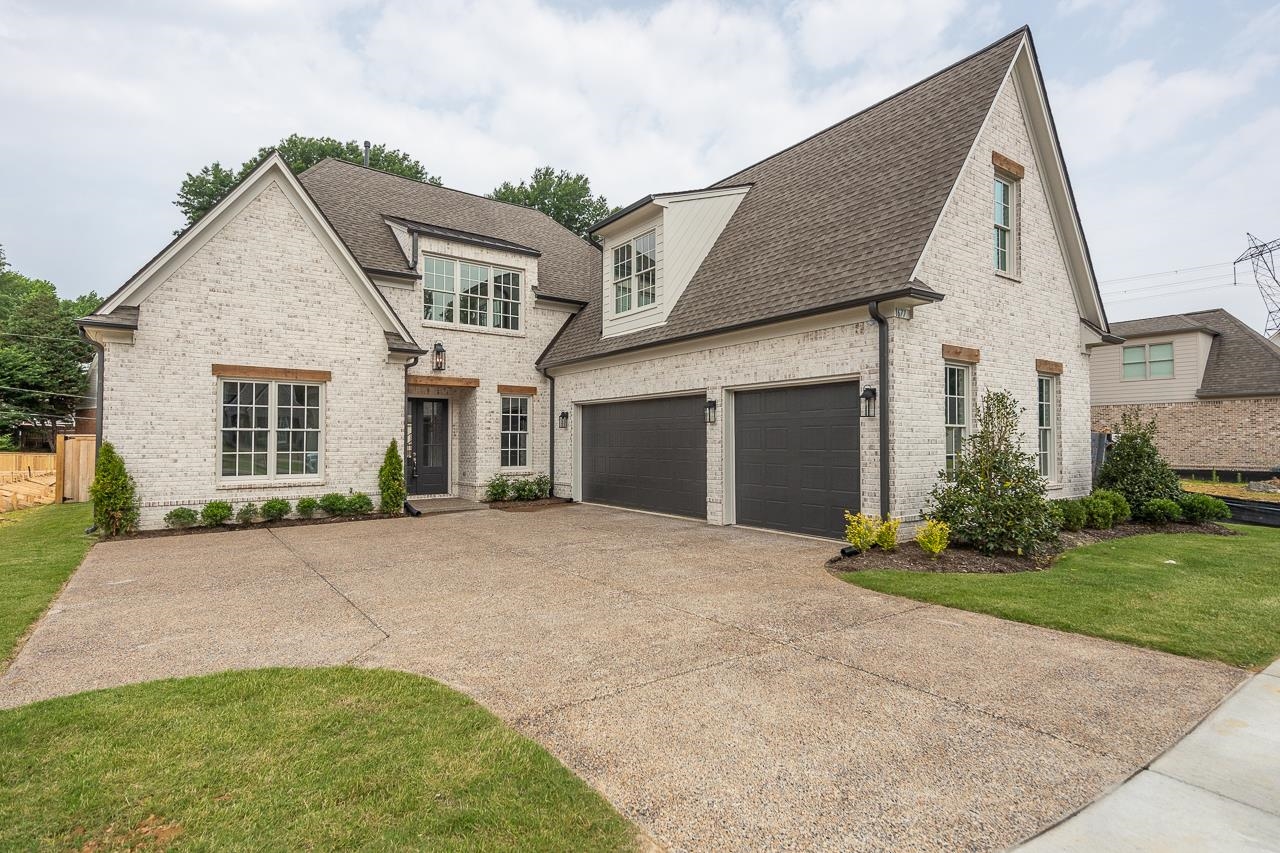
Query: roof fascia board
[{"x": 665, "y": 199}]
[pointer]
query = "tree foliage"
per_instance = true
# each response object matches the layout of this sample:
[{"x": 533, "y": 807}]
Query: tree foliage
[
  {"x": 114, "y": 494},
  {"x": 391, "y": 487},
  {"x": 1134, "y": 467},
  {"x": 201, "y": 190},
  {"x": 565, "y": 197}
]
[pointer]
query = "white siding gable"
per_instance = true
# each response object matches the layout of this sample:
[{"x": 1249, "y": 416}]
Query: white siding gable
[{"x": 1190, "y": 353}]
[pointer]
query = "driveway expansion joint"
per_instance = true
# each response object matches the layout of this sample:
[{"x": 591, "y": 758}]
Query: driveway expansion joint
[{"x": 332, "y": 586}]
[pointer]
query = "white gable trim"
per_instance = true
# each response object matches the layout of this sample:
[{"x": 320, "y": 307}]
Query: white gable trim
[{"x": 273, "y": 170}]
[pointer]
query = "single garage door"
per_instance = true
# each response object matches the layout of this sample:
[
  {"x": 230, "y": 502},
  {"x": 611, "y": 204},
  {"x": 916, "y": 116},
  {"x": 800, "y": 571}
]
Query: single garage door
[
  {"x": 796, "y": 457},
  {"x": 647, "y": 454}
]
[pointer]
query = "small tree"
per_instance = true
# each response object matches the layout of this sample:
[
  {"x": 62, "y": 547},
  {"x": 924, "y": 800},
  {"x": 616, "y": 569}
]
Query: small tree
[
  {"x": 114, "y": 494},
  {"x": 391, "y": 481},
  {"x": 1134, "y": 467},
  {"x": 993, "y": 499}
]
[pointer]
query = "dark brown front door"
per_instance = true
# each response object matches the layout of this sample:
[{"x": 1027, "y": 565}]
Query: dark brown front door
[{"x": 429, "y": 467}]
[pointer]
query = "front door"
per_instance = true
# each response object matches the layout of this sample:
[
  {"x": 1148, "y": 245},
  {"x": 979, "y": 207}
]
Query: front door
[{"x": 429, "y": 467}]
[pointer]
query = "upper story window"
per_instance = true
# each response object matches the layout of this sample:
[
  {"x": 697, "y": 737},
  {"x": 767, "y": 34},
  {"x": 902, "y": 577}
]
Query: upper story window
[
  {"x": 470, "y": 294},
  {"x": 270, "y": 430},
  {"x": 635, "y": 283},
  {"x": 1004, "y": 228},
  {"x": 1148, "y": 361}
]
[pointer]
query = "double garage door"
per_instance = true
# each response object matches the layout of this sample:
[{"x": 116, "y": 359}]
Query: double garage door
[{"x": 795, "y": 456}]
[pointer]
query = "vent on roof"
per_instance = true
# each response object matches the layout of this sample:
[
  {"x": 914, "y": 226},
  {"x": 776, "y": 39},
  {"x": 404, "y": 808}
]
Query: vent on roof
[{"x": 366, "y": 153}]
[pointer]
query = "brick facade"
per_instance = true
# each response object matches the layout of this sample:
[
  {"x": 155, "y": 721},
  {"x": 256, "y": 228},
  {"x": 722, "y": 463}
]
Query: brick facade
[{"x": 1229, "y": 435}]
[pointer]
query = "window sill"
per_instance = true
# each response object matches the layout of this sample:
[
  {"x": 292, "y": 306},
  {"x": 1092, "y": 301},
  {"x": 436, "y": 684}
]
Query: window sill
[
  {"x": 1008, "y": 276},
  {"x": 266, "y": 484},
  {"x": 482, "y": 330}
]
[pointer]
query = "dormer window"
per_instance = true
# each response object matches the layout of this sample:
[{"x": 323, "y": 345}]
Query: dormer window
[
  {"x": 470, "y": 294},
  {"x": 635, "y": 273}
]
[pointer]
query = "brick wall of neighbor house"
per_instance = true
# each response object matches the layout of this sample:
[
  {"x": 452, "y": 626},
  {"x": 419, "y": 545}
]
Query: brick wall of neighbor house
[
  {"x": 262, "y": 291},
  {"x": 495, "y": 357},
  {"x": 779, "y": 355},
  {"x": 1231, "y": 435},
  {"x": 1011, "y": 322}
]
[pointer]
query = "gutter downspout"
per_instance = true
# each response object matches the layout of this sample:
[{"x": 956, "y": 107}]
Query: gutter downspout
[
  {"x": 404, "y": 438},
  {"x": 883, "y": 324},
  {"x": 97, "y": 421},
  {"x": 551, "y": 428}
]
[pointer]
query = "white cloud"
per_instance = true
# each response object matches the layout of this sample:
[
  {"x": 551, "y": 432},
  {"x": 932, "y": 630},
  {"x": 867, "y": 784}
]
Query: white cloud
[
  {"x": 1122, "y": 19},
  {"x": 840, "y": 33}
]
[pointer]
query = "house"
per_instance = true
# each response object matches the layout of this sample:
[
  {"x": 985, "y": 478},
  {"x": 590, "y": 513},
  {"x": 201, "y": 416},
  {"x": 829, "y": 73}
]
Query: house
[
  {"x": 1210, "y": 382},
  {"x": 807, "y": 335}
]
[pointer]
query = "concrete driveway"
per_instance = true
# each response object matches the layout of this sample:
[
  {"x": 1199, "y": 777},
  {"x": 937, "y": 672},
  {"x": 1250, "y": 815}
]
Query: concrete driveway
[{"x": 714, "y": 683}]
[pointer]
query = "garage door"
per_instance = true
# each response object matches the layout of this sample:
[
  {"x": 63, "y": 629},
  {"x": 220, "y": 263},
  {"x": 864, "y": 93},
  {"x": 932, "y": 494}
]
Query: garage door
[
  {"x": 796, "y": 457},
  {"x": 647, "y": 454}
]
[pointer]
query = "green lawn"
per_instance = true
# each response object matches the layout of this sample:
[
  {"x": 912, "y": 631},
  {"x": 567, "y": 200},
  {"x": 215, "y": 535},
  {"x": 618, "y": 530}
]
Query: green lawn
[
  {"x": 1218, "y": 600},
  {"x": 286, "y": 759},
  {"x": 39, "y": 549}
]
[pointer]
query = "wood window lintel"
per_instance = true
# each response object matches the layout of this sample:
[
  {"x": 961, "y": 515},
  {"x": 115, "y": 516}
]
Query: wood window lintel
[
  {"x": 1052, "y": 368},
  {"x": 283, "y": 374},
  {"x": 964, "y": 355}
]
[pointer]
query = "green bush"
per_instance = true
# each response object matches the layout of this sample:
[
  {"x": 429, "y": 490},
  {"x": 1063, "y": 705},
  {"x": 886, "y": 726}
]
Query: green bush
[
  {"x": 1099, "y": 514},
  {"x": 1198, "y": 509},
  {"x": 860, "y": 530},
  {"x": 1120, "y": 509},
  {"x": 276, "y": 509},
  {"x": 1134, "y": 467},
  {"x": 1161, "y": 511},
  {"x": 993, "y": 499},
  {"x": 115, "y": 496},
  {"x": 498, "y": 488},
  {"x": 180, "y": 517},
  {"x": 1074, "y": 514},
  {"x": 307, "y": 507},
  {"x": 357, "y": 504},
  {"x": 933, "y": 537},
  {"x": 887, "y": 534},
  {"x": 215, "y": 513},
  {"x": 247, "y": 513},
  {"x": 333, "y": 503},
  {"x": 524, "y": 489},
  {"x": 391, "y": 488},
  {"x": 543, "y": 483}
]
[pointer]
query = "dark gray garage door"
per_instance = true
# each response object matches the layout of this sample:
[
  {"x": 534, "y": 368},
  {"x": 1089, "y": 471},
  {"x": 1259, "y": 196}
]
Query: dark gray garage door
[
  {"x": 796, "y": 457},
  {"x": 647, "y": 454}
]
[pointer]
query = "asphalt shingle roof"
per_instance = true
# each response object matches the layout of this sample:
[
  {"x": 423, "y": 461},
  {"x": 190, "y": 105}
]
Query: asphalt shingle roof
[{"x": 1242, "y": 363}]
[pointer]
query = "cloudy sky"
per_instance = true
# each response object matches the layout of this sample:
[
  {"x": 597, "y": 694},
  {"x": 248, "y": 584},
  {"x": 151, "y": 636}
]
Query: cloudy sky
[{"x": 1166, "y": 109}]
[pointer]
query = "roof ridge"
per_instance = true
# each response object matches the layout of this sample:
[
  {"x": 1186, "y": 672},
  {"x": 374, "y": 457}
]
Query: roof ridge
[{"x": 1023, "y": 30}]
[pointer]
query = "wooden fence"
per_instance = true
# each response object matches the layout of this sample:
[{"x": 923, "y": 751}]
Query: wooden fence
[
  {"x": 74, "y": 467},
  {"x": 30, "y": 479},
  {"x": 28, "y": 463}
]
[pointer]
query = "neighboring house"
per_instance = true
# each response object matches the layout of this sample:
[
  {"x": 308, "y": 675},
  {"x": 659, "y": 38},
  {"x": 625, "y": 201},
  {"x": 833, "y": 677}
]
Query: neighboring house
[
  {"x": 1211, "y": 383},
  {"x": 810, "y": 334}
]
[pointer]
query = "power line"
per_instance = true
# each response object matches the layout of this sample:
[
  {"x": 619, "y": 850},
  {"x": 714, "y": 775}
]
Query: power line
[
  {"x": 1219, "y": 280},
  {"x": 52, "y": 417},
  {"x": 39, "y": 337},
  {"x": 1166, "y": 272},
  {"x": 38, "y": 391},
  {"x": 1179, "y": 293}
]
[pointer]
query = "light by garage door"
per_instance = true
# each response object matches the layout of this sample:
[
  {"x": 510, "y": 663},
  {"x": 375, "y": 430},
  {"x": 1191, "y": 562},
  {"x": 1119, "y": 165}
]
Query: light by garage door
[
  {"x": 796, "y": 457},
  {"x": 647, "y": 454}
]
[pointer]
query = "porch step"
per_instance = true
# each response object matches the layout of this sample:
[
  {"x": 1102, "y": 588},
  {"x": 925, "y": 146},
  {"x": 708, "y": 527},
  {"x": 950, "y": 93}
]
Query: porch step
[{"x": 439, "y": 506}]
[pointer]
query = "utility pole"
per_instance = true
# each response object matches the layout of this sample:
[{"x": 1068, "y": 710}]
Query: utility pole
[{"x": 1263, "y": 258}]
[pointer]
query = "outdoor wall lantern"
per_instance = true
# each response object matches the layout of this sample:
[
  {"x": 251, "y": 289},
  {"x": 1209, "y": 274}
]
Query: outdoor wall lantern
[
  {"x": 868, "y": 396},
  {"x": 711, "y": 411},
  {"x": 564, "y": 420},
  {"x": 437, "y": 356}
]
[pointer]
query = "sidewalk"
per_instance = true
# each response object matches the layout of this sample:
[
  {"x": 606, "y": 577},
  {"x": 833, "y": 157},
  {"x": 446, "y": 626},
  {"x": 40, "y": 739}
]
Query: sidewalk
[{"x": 1218, "y": 789}]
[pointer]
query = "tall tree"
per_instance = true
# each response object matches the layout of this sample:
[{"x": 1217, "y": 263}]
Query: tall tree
[
  {"x": 565, "y": 197},
  {"x": 201, "y": 190}
]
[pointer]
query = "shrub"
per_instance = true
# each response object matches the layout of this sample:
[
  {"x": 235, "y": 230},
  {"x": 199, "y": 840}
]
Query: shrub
[
  {"x": 498, "y": 487},
  {"x": 391, "y": 488},
  {"x": 114, "y": 494},
  {"x": 247, "y": 513},
  {"x": 543, "y": 482},
  {"x": 357, "y": 504},
  {"x": 333, "y": 503},
  {"x": 993, "y": 499},
  {"x": 860, "y": 530},
  {"x": 307, "y": 507},
  {"x": 215, "y": 513},
  {"x": 1099, "y": 514},
  {"x": 180, "y": 517},
  {"x": 276, "y": 509},
  {"x": 524, "y": 489},
  {"x": 1198, "y": 509},
  {"x": 1134, "y": 467},
  {"x": 933, "y": 537},
  {"x": 1120, "y": 509},
  {"x": 1161, "y": 511},
  {"x": 1074, "y": 514},
  {"x": 887, "y": 534}
]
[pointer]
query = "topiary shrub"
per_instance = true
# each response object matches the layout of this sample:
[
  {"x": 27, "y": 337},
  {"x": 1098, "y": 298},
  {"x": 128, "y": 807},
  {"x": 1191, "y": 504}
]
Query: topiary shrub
[
  {"x": 860, "y": 530},
  {"x": 307, "y": 507},
  {"x": 933, "y": 537},
  {"x": 1074, "y": 515},
  {"x": 1120, "y": 509},
  {"x": 391, "y": 488},
  {"x": 1099, "y": 514},
  {"x": 993, "y": 499},
  {"x": 357, "y": 504},
  {"x": 1134, "y": 467},
  {"x": 215, "y": 513},
  {"x": 247, "y": 513},
  {"x": 1161, "y": 511},
  {"x": 333, "y": 503},
  {"x": 115, "y": 495},
  {"x": 180, "y": 517},
  {"x": 498, "y": 488},
  {"x": 275, "y": 509},
  {"x": 887, "y": 534},
  {"x": 1199, "y": 509}
]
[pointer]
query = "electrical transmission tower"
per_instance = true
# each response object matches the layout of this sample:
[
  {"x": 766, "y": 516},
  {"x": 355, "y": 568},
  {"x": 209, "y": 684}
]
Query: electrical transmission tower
[{"x": 1263, "y": 257}]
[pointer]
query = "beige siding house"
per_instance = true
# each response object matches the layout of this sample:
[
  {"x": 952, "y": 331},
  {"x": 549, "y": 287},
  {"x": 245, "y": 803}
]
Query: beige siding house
[{"x": 808, "y": 335}]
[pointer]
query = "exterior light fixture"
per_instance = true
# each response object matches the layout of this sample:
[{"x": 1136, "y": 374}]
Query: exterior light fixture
[
  {"x": 711, "y": 411},
  {"x": 868, "y": 397},
  {"x": 564, "y": 420},
  {"x": 437, "y": 356}
]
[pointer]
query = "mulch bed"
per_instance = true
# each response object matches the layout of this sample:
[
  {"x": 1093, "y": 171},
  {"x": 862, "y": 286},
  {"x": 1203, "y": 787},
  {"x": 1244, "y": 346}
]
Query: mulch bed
[
  {"x": 909, "y": 557},
  {"x": 528, "y": 506},
  {"x": 226, "y": 528}
]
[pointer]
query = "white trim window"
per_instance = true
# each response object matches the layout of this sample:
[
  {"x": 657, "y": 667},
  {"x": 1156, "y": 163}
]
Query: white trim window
[
  {"x": 635, "y": 273},
  {"x": 1005, "y": 224},
  {"x": 1148, "y": 361},
  {"x": 270, "y": 430},
  {"x": 957, "y": 393},
  {"x": 514, "y": 448},
  {"x": 476, "y": 294},
  {"x": 1047, "y": 425}
]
